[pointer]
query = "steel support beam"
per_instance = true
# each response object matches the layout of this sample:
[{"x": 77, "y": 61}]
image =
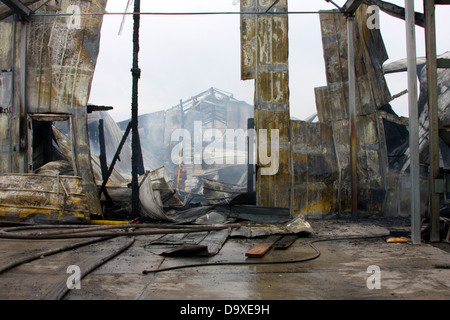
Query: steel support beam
[
  {"x": 433, "y": 118},
  {"x": 352, "y": 113},
  {"x": 413, "y": 121}
]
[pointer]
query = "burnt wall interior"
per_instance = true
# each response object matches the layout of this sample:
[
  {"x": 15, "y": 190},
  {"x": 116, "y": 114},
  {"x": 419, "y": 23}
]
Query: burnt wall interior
[
  {"x": 47, "y": 65},
  {"x": 46, "y": 72}
]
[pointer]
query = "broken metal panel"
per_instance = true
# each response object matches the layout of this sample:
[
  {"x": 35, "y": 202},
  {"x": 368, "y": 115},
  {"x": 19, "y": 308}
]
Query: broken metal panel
[
  {"x": 221, "y": 193},
  {"x": 264, "y": 57},
  {"x": 150, "y": 201},
  {"x": 372, "y": 92},
  {"x": 443, "y": 102},
  {"x": 5, "y": 144},
  {"x": 52, "y": 59},
  {"x": 370, "y": 165},
  {"x": 5, "y": 91},
  {"x": 371, "y": 178},
  {"x": 163, "y": 189},
  {"x": 248, "y": 40},
  {"x": 398, "y": 194},
  {"x": 315, "y": 171},
  {"x": 6, "y": 147},
  {"x": 273, "y": 190},
  {"x": 443, "y": 82},
  {"x": 11, "y": 45},
  {"x": 83, "y": 164},
  {"x": 43, "y": 199},
  {"x": 62, "y": 55}
]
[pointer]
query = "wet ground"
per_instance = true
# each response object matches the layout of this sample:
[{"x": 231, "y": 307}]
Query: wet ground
[{"x": 363, "y": 268}]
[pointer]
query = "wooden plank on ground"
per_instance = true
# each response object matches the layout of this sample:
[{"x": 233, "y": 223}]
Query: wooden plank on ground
[
  {"x": 285, "y": 242},
  {"x": 260, "y": 250}
]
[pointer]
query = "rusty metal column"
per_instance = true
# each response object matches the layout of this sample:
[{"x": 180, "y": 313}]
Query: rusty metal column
[
  {"x": 352, "y": 113},
  {"x": 264, "y": 57},
  {"x": 413, "y": 121},
  {"x": 433, "y": 118},
  {"x": 136, "y": 73}
]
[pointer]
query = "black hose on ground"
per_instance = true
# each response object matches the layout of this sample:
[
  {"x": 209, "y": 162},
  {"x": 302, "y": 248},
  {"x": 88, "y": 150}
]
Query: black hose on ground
[
  {"x": 60, "y": 292},
  {"x": 44, "y": 253},
  {"x": 99, "y": 231},
  {"x": 264, "y": 262}
]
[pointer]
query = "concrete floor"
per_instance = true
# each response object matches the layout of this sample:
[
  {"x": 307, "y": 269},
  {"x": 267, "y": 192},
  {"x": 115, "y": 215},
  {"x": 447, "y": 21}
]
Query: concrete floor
[{"x": 341, "y": 272}]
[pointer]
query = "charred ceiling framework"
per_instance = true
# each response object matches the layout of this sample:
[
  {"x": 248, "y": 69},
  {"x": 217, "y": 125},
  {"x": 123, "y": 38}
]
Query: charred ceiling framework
[{"x": 338, "y": 166}]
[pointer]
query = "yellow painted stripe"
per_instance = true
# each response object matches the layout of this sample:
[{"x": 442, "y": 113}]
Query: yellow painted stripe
[{"x": 109, "y": 222}]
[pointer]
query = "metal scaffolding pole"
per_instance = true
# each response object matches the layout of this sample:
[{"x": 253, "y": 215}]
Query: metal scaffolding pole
[
  {"x": 413, "y": 121},
  {"x": 433, "y": 118},
  {"x": 352, "y": 113}
]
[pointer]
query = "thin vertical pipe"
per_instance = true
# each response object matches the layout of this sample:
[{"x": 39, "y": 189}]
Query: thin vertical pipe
[
  {"x": 433, "y": 117},
  {"x": 352, "y": 114},
  {"x": 413, "y": 121}
]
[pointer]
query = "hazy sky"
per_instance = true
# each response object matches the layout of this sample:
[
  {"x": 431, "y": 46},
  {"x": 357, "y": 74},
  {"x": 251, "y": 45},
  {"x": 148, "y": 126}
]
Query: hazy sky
[{"x": 181, "y": 56}]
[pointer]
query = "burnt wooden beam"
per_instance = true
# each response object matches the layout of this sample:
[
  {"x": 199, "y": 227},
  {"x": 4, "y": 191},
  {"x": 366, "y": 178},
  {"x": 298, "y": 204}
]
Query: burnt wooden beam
[
  {"x": 103, "y": 161},
  {"x": 443, "y": 63},
  {"x": 101, "y": 141},
  {"x": 92, "y": 107},
  {"x": 114, "y": 160},
  {"x": 135, "y": 143}
]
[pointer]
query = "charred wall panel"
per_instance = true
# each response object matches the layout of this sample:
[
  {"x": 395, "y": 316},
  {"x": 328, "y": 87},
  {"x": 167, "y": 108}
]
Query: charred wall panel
[
  {"x": 53, "y": 59},
  {"x": 62, "y": 56},
  {"x": 371, "y": 94},
  {"x": 315, "y": 170},
  {"x": 264, "y": 57},
  {"x": 371, "y": 90}
]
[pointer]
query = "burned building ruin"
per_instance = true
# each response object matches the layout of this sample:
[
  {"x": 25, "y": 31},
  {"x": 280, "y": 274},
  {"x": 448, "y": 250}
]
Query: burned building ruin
[{"x": 322, "y": 171}]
